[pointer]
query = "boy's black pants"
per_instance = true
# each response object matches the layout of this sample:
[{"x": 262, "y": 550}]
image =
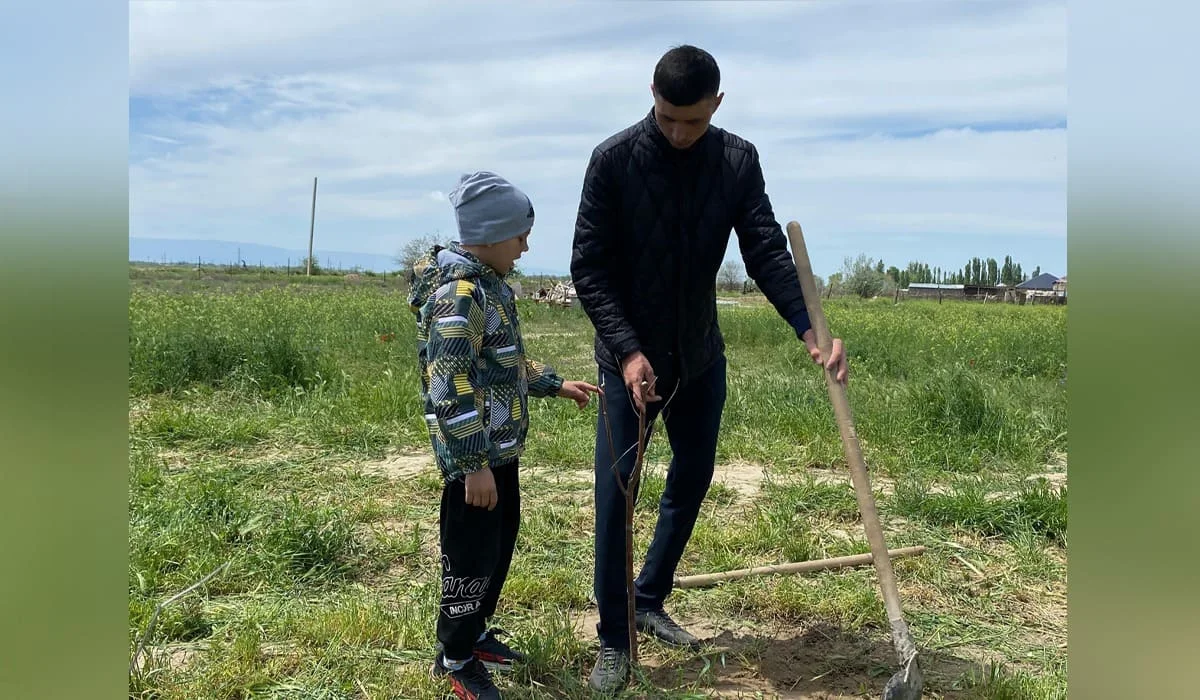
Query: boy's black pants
[
  {"x": 693, "y": 420},
  {"x": 477, "y": 548}
]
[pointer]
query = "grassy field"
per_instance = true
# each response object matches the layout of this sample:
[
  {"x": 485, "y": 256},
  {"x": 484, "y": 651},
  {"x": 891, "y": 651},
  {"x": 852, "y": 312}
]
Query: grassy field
[{"x": 276, "y": 436}]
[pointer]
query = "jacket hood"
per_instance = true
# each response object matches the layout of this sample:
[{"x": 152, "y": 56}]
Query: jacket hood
[{"x": 440, "y": 265}]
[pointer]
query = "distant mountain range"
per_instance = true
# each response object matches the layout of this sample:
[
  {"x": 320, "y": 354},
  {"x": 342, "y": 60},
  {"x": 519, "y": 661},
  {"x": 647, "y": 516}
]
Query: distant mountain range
[{"x": 183, "y": 250}]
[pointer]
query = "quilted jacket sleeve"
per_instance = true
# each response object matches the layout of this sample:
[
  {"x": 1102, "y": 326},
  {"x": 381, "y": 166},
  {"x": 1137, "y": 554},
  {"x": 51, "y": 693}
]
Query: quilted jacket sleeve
[
  {"x": 455, "y": 341},
  {"x": 764, "y": 247},
  {"x": 592, "y": 254}
]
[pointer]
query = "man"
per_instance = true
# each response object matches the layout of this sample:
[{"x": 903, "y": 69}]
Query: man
[{"x": 658, "y": 203}]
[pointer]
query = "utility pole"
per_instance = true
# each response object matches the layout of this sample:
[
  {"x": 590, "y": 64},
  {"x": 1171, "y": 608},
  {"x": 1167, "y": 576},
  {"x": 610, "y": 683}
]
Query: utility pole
[{"x": 312, "y": 222}]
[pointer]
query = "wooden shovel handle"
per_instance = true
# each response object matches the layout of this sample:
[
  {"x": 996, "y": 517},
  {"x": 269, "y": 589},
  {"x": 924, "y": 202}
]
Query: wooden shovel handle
[{"x": 845, "y": 421}]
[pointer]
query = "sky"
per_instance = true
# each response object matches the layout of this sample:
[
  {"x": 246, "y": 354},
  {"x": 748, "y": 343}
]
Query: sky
[{"x": 903, "y": 130}]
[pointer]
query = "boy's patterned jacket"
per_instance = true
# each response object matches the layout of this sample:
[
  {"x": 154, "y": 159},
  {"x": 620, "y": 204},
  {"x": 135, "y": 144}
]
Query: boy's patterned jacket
[{"x": 475, "y": 378}]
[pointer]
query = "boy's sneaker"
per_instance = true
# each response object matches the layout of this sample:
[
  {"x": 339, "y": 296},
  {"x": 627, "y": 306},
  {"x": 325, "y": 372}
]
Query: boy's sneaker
[
  {"x": 495, "y": 654},
  {"x": 471, "y": 682}
]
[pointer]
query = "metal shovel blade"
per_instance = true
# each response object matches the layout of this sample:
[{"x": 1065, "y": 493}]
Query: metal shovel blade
[{"x": 905, "y": 684}]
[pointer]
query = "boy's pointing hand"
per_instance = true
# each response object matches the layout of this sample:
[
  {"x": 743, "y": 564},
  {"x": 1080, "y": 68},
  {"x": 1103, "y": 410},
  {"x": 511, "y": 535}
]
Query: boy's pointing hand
[{"x": 578, "y": 392}]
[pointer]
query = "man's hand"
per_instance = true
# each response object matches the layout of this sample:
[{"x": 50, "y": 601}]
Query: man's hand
[
  {"x": 639, "y": 380},
  {"x": 837, "y": 356},
  {"x": 481, "y": 489},
  {"x": 578, "y": 392}
]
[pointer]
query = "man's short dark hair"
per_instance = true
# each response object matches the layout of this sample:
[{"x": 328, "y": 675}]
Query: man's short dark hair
[{"x": 685, "y": 75}]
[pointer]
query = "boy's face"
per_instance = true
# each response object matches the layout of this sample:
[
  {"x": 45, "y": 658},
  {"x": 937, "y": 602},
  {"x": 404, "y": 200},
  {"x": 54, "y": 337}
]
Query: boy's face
[
  {"x": 683, "y": 126},
  {"x": 503, "y": 256}
]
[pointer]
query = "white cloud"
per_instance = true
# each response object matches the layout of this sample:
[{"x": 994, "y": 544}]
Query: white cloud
[
  {"x": 952, "y": 156},
  {"x": 389, "y": 103},
  {"x": 162, "y": 139}
]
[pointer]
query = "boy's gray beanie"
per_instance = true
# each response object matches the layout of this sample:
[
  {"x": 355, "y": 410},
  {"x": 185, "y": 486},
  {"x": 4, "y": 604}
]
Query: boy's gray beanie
[{"x": 489, "y": 209}]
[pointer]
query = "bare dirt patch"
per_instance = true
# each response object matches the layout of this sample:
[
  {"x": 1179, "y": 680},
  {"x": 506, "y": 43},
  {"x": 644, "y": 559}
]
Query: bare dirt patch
[
  {"x": 584, "y": 622},
  {"x": 559, "y": 485},
  {"x": 391, "y": 528},
  {"x": 181, "y": 656},
  {"x": 138, "y": 408},
  {"x": 841, "y": 477},
  {"x": 1056, "y": 481},
  {"x": 744, "y": 477},
  {"x": 747, "y": 478},
  {"x": 179, "y": 459},
  {"x": 400, "y": 466},
  {"x": 175, "y": 460},
  {"x": 812, "y": 662},
  {"x": 1055, "y": 473},
  {"x": 559, "y": 476}
]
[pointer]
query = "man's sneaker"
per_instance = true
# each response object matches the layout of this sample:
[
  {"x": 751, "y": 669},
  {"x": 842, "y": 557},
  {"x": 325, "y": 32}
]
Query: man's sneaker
[
  {"x": 659, "y": 624},
  {"x": 495, "y": 654},
  {"x": 471, "y": 682},
  {"x": 611, "y": 672}
]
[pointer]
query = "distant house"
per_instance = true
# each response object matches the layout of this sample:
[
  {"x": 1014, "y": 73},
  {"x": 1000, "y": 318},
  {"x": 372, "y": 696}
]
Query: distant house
[
  {"x": 1042, "y": 283},
  {"x": 926, "y": 290},
  {"x": 981, "y": 291},
  {"x": 953, "y": 291},
  {"x": 1045, "y": 288}
]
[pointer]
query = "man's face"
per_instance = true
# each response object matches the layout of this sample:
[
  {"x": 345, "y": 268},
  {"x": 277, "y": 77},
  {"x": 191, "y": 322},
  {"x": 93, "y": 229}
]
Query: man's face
[{"x": 683, "y": 126}]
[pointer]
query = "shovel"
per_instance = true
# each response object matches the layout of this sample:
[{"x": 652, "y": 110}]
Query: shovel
[{"x": 907, "y": 683}]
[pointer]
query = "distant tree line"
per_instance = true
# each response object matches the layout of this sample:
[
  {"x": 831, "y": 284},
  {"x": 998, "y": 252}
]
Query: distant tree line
[
  {"x": 867, "y": 277},
  {"x": 977, "y": 271}
]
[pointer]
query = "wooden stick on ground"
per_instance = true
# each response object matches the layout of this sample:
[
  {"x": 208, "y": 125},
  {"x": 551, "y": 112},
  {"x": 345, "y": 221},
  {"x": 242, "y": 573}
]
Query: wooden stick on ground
[{"x": 701, "y": 580}]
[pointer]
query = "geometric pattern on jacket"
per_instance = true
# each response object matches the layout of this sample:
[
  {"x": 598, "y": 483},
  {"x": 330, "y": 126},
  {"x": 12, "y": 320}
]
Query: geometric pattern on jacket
[{"x": 475, "y": 378}]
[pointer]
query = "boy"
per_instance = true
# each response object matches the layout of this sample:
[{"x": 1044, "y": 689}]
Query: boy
[{"x": 475, "y": 381}]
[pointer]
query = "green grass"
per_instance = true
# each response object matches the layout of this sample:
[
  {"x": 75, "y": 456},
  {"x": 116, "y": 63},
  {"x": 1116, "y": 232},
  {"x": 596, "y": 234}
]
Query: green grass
[
  {"x": 256, "y": 400},
  {"x": 1033, "y": 509},
  {"x": 993, "y": 683}
]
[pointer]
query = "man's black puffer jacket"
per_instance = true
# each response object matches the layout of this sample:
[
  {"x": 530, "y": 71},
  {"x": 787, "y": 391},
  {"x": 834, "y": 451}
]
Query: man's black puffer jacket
[{"x": 650, "y": 236}]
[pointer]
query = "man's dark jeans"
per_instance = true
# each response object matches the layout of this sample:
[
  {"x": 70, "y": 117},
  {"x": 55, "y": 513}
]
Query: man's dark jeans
[{"x": 693, "y": 419}]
